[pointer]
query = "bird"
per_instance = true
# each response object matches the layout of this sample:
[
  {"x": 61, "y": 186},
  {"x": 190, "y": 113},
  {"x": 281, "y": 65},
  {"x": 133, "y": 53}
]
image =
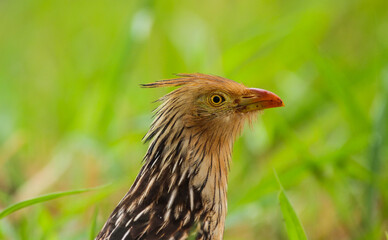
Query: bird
[{"x": 181, "y": 189}]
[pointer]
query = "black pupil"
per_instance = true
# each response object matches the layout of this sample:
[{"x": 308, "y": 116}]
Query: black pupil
[{"x": 216, "y": 99}]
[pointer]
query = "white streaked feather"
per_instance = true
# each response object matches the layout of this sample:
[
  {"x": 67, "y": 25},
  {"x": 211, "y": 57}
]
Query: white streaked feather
[
  {"x": 126, "y": 234},
  {"x": 166, "y": 216},
  {"x": 145, "y": 193},
  {"x": 172, "y": 197},
  {"x": 183, "y": 176},
  {"x": 172, "y": 182},
  {"x": 186, "y": 218},
  {"x": 119, "y": 219},
  {"x": 191, "y": 194},
  {"x": 129, "y": 222}
]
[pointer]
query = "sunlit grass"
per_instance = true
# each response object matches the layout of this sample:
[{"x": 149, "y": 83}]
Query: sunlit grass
[
  {"x": 294, "y": 227},
  {"x": 44, "y": 198}
]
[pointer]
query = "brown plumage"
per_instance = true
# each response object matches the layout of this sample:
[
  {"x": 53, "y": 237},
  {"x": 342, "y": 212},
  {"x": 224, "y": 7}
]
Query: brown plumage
[{"x": 181, "y": 188}]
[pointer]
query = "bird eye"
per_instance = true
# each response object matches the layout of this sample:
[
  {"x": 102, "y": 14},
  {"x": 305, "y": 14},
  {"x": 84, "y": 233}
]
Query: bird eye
[{"x": 216, "y": 100}]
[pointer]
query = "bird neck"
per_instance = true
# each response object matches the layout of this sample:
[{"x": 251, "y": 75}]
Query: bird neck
[
  {"x": 195, "y": 163},
  {"x": 200, "y": 156}
]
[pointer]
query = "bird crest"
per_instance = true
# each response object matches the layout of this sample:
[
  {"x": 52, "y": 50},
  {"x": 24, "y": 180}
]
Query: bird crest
[{"x": 189, "y": 79}]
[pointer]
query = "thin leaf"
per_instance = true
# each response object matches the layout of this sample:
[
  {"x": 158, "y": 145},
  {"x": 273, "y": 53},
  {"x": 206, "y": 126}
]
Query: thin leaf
[
  {"x": 92, "y": 233},
  {"x": 44, "y": 198},
  {"x": 386, "y": 235},
  {"x": 294, "y": 227}
]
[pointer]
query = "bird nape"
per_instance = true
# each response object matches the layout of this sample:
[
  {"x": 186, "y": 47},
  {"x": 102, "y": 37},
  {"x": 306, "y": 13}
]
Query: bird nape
[{"x": 181, "y": 188}]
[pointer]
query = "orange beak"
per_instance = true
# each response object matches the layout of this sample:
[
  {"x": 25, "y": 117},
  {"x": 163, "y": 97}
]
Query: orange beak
[{"x": 259, "y": 99}]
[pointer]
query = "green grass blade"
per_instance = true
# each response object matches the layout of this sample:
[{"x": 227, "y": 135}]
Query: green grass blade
[
  {"x": 92, "y": 233},
  {"x": 44, "y": 198},
  {"x": 294, "y": 227},
  {"x": 386, "y": 235}
]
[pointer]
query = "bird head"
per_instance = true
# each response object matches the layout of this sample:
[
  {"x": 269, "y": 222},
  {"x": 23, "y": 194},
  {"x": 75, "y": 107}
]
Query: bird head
[
  {"x": 213, "y": 104},
  {"x": 182, "y": 184}
]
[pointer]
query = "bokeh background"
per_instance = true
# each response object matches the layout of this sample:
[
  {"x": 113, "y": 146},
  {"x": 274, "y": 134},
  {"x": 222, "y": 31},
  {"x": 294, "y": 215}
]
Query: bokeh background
[{"x": 72, "y": 113}]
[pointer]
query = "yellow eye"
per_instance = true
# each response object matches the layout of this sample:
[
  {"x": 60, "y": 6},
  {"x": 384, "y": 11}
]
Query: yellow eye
[{"x": 216, "y": 100}]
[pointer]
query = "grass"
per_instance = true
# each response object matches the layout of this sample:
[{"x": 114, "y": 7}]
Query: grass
[
  {"x": 47, "y": 197},
  {"x": 294, "y": 227},
  {"x": 93, "y": 229},
  {"x": 72, "y": 113}
]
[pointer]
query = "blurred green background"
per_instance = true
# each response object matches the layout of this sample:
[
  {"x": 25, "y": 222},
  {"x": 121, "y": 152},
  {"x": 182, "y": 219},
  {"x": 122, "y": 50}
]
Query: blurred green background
[{"x": 72, "y": 113}]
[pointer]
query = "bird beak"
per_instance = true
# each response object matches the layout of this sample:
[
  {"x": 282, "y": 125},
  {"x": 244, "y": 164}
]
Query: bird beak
[{"x": 259, "y": 99}]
